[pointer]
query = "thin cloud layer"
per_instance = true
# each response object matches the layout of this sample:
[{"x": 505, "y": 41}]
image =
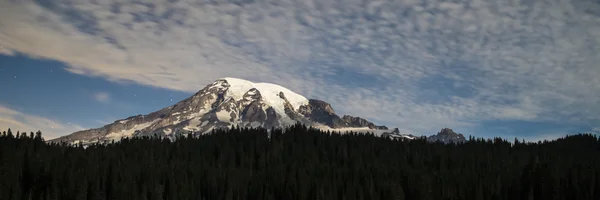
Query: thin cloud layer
[
  {"x": 419, "y": 66},
  {"x": 18, "y": 121}
]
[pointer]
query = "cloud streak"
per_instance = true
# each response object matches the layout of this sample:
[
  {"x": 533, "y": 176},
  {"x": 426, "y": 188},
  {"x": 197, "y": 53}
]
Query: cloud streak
[
  {"x": 102, "y": 97},
  {"x": 18, "y": 121},
  {"x": 419, "y": 66}
]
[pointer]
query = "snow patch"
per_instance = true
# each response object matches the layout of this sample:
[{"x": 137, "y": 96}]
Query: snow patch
[
  {"x": 177, "y": 120},
  {"x": 269, "y": 92},
  {"x": 209, "y": 130},
  {"x": 193, "y": 125},
  {"x": 249, "y": 98},
  {"x": 376, "y": 132},
  {"x": 255, "y": 124},
  {"x": 129, "y": 132},
  {"x": 223, "y": 116},
  {"x": 167, "y": 131},
  {"x": 401, "y": 136},
  {"x": 175, "y": 113}
]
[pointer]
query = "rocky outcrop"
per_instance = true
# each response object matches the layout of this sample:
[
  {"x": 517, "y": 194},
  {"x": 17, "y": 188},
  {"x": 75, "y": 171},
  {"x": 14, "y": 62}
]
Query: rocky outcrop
[
  {"x": 321, "y": 112},
  {"x": 395, "y": 134},
  {"x": 360, "y": 122},
  {"x": 447, "y": 136}
]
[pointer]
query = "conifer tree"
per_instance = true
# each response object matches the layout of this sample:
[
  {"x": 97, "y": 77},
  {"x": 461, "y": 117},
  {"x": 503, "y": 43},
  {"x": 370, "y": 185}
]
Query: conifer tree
[
  {"x": 38, "y": 134},
  {"x": 9, "y": 133}
]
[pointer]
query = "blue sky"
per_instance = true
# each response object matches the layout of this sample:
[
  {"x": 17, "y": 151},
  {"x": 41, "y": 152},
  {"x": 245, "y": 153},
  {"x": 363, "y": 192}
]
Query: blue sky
[
  {"x": 44, "y": 88},
  {"x": 486, "y": 68}
]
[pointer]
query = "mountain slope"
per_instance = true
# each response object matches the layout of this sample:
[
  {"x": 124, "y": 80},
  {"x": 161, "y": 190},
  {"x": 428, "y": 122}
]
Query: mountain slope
[{"x": 223, "y": 104}]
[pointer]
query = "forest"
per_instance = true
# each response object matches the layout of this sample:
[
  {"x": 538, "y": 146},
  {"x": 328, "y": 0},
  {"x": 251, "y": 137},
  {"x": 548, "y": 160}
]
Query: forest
[{"x": 298, "y": 162}]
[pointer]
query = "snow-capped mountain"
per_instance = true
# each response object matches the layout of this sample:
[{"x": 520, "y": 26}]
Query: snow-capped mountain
[{"x": 223, "y": 104}]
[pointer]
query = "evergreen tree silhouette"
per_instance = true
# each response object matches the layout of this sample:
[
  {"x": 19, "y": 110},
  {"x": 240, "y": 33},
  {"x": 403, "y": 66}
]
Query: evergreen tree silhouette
[{"x": 298, "y": 162}]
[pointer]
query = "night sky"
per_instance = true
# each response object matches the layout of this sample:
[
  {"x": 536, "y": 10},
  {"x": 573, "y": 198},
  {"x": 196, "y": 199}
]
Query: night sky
[{"x": 527, "y": 69}]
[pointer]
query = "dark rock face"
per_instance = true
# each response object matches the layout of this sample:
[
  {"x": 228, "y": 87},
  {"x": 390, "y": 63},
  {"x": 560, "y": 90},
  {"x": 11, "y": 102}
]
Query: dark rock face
[
  {"x": 360, "y": 122},
  {"x": 321, "y": 112},
  {"x": 289, "y": 109},
  {"x": 254, "y": 113},
  {"x": 447, "y": 136},
  {"x": 272, "y": 118},
  {"x": 320, "y": 106}
]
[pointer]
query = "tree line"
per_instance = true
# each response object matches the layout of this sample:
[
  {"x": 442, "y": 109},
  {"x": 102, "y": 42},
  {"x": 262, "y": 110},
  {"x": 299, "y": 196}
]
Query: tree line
[{"x": 299, "y": 162}]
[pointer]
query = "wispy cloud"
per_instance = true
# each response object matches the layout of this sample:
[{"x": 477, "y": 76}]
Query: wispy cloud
[
  {"x": 18, "y": 121},
  {"x": 102, "y": 97},
  {"x": 419, "y": 66},
  {"x": 5, "y": 51}
]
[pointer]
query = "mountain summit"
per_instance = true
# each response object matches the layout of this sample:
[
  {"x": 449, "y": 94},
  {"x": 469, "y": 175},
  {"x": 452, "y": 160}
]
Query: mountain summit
[
  {"x": 447, "y": 136},
  {"x": 225, "y": 103}
]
